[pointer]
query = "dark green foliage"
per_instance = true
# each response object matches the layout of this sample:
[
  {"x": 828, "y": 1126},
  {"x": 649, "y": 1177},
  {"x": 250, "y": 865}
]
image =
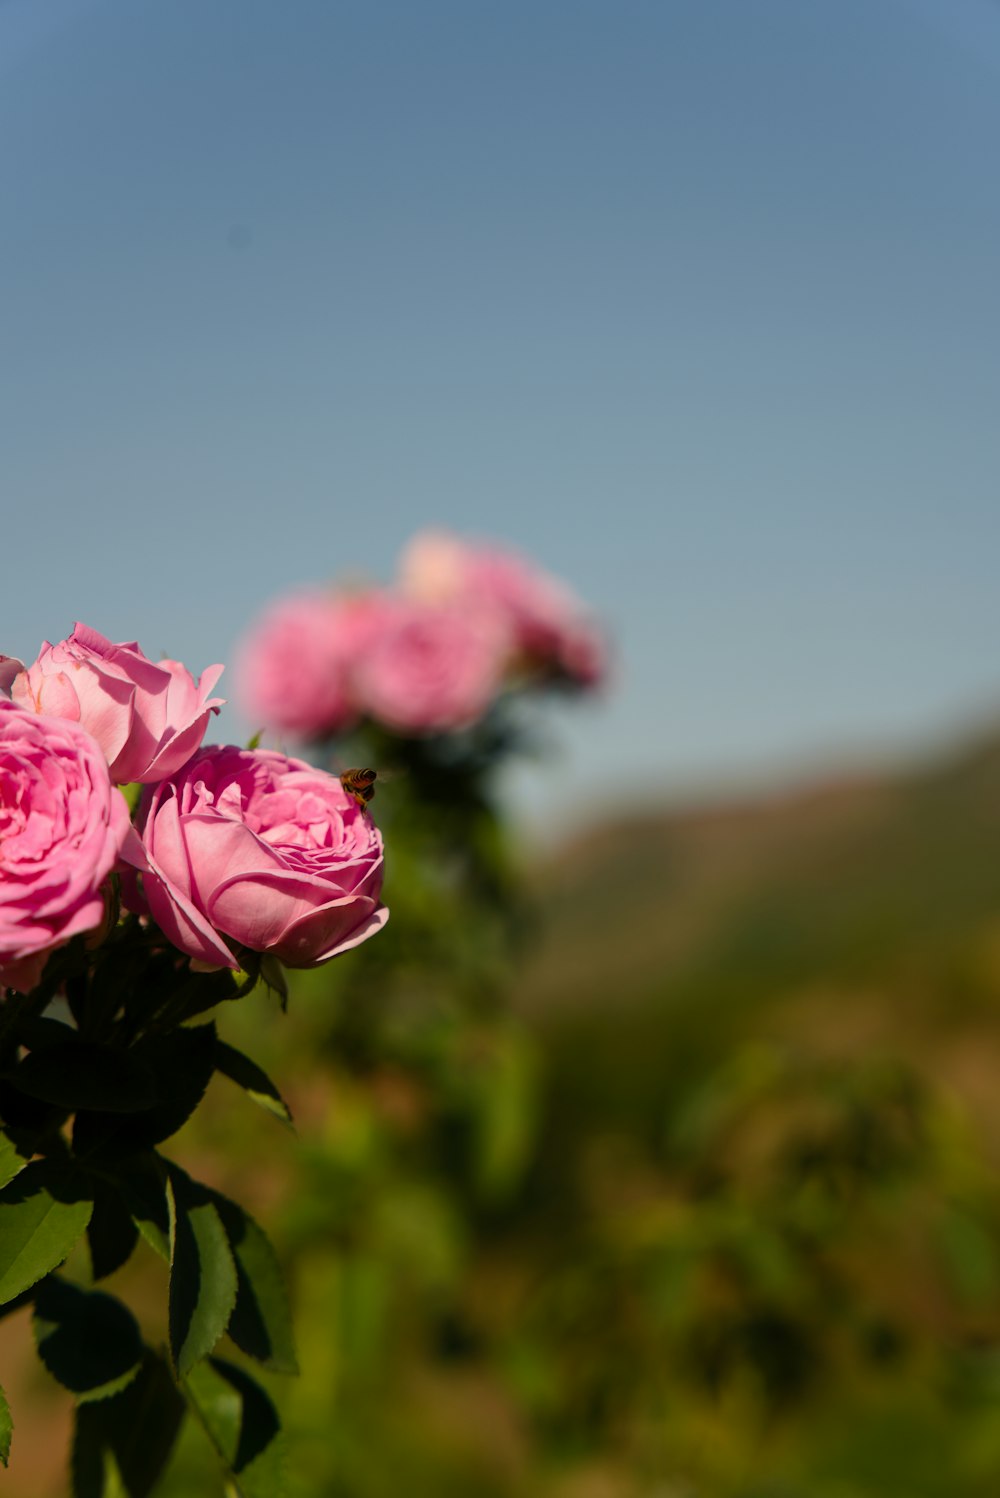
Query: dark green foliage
[
  {"x": 85, "y": 1076},
  {"x": 91, "y": 1081},
  {"x": 179, "y": 1066},
  {"x": 142, "y": 1183},
  {"x": 121, "y": 1445},
  {"x": 87, "y": 1340},
  {"x": 111, "y": 1232}
]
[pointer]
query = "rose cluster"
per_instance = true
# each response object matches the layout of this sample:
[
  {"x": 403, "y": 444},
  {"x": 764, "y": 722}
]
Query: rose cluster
[
  {"x": 230, "y": 849},
  {"x": 462, "y": 624}
]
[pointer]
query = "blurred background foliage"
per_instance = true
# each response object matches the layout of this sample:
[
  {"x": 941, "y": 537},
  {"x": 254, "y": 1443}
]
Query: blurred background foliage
[{"x": 664, "y": 1165}]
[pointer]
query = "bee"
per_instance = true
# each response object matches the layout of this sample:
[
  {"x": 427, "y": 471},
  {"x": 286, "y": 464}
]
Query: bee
[{"x": 360, "y": 784}]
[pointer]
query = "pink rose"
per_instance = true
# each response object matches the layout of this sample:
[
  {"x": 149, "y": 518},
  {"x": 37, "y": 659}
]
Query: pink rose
[
  {"x": 62, "y": 826},
  {"x": 148, "y": 717},
  {"x": 430, "y": 668},
  {"x": 548, "y": 625},
  {"x": 295, "y": 666},
  {"x": 262, "y": 850}
]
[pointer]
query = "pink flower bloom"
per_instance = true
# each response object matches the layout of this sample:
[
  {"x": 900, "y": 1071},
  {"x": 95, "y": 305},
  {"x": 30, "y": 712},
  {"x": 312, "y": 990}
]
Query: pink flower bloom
[
  {"x": 262, "y": 850},
  {"x": 295, "y": 666},
  {"x": 548, "y": 625},
  {"x": 431, "y": 668},
  {"x": 62, "y": 826},
  {"x": 148, "y": 717}
]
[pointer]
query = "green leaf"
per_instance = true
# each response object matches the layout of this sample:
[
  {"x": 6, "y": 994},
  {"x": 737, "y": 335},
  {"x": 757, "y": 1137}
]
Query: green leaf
[
  {"x": 111, "y": 1232},
  {"x": 11, "y": 1161},
  {"x": 202, "y": 1272},
  {"x": 261, "y": 1323},
  {"x": 202, "y": 991},
  {"x": 87, "y": 1340},
  {"x": 180, "y": 1065},
  {"x": 242, "y": 1424},
  {"x": 79, "y": 1074},
  {"x": 6, "y": 1428},
  {"x": 121, "y": 1445},
  {"x": 39, "y": 1032},
  {"x": 26, "y": 1120},
  {"x": 255, "y": 1082},
  {"x": 43, "y": 1212},
  {"x": 122, "y": 978}
]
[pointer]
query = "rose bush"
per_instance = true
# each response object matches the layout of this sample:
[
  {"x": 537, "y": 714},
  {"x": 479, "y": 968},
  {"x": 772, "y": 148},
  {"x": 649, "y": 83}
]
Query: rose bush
[
  {"x": 148, "y": 716},
  {"x": 249, "y": 848},
  {"x": 62, "y": 827}
]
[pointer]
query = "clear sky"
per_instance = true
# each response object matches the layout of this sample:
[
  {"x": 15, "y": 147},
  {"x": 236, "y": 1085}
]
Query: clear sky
[{"x": 697, "y": 300}]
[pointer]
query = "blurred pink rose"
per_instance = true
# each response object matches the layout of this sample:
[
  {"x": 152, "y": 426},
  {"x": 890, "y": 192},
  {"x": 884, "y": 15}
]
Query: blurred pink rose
[
  {"x": 148, "y": 717},
  {"x": 548, "y": 625},
  {"x": 430, "y": 668},
  {"x": 62, "y": 825},
  {"x": 295, "y": 667},
  {"x": 263, "y": 850}
]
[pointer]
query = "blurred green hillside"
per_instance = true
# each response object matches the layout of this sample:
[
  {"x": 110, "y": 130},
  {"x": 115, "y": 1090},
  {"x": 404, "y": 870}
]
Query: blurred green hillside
[
  {"x": 744, "y": 1007},
  {"x": 850, "y": 915}
]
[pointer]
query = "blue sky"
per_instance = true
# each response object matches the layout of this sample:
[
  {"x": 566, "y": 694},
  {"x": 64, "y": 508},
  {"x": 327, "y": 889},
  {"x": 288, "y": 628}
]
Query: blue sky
[{"x": 698, "y": 300}]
